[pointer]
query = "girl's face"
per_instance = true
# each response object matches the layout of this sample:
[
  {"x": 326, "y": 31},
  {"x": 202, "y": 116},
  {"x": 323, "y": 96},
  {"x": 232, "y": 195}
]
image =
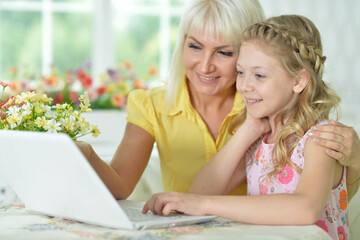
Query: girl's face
[
  {"x": 264, "y": 84},
  {"x": 210, "y": 64}
]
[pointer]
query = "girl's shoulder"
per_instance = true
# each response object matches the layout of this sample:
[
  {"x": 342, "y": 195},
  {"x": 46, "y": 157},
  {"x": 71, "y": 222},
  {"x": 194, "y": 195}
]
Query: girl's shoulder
[
  {"x": 256, "y": 149},
  {"x": 298, "y": 153}
]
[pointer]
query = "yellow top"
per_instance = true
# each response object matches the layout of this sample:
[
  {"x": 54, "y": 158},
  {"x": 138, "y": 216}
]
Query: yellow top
[{"x": 183, "y": 140}]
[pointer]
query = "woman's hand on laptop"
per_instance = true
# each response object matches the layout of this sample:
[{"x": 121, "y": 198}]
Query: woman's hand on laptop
[
  {"x": 85, "y": 148},
  {"x": 165, "y": 203}
]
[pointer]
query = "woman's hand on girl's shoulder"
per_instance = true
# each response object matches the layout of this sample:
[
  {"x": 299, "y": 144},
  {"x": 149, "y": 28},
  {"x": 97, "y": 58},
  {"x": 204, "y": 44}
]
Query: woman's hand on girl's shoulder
[{"x": 341, "y": 142}]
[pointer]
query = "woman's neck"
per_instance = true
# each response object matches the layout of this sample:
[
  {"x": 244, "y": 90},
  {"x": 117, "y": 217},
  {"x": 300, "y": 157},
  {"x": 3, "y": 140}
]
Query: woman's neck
[
  {"x": 212, "y": 103},
  {"x": 213, "y": 109}
]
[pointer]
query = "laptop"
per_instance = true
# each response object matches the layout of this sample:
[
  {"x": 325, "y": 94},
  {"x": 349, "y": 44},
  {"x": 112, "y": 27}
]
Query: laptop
[{"x": 51, "y": 176}]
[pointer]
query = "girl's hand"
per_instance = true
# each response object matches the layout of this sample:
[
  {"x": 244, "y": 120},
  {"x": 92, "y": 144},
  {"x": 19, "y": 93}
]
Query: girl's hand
[
  {"x": 257, "y": 126},
  {"x": 341, "y": 142},
  {"x": 165, "y": 203}
]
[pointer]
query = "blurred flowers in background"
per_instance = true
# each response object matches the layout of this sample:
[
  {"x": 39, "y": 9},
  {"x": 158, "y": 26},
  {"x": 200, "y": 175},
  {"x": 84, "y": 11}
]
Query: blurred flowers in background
[
  {"x": 109, "y": 91},
  {"x": 66, "y": 87},
  {"x": 115, "y": 84},
  {"x": 21, "y": 80}
]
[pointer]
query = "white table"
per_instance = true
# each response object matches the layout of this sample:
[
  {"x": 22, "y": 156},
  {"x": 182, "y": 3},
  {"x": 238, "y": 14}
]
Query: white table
[{"x": 19, "y": 223}]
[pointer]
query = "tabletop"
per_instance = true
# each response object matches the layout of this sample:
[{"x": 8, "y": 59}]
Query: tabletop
[{"x": 17, "y": 222}]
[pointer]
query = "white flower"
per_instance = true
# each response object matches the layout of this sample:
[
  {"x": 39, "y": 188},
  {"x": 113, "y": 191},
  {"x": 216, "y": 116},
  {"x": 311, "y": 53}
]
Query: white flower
[
  {"x": 45, "y": 108},
  {"x": 60, "y": 106},
  {"x": 68, "y": 124},
  {"x": 27, "y": 109},
  {"x": 14, "y": 120},
  {"x": 25, "y": 97},
  {"x": 40, "y": 121},
  {"x": 85, "y": 102},
  {"x": 83, "y": 125},
  {"x": 72, "y": 118},
  {"x": 85, "y": 108},
  {"x": 52, "y": 126},
  {"x": 50, "y": 114},
  {"x": 12, "y": 110},
  {"x": 85, "y": 99}
]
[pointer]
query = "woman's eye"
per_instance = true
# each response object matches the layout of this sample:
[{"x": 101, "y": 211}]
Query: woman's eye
[
  {"x": 226, "y": 53},
  {"x": 194, "y": 46},
  {"x": 259, "y": 76}
]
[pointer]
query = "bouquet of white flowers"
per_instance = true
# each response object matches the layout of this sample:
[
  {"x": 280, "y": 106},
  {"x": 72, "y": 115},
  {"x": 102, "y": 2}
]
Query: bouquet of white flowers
[{"x": 30, "y": 111}]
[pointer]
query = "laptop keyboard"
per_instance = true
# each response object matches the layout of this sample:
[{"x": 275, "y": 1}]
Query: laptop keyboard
[{"x": 135, "y": 214}]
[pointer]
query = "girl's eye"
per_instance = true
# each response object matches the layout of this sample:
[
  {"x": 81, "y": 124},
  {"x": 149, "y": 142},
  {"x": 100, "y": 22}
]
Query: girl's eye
[
  {"x": 259, "y": 76},
  {"x": 226, "y": 53},
  {"x": 240, "y": 73},
  {"x": 191, "y": 45}
]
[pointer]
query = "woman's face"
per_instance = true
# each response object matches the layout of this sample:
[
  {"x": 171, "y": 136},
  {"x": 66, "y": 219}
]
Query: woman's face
[{"x": 210, "y": 64}]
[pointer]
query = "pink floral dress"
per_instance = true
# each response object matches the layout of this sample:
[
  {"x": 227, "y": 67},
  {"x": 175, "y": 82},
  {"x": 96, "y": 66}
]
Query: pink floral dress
[{"x": 334, "y": 219}]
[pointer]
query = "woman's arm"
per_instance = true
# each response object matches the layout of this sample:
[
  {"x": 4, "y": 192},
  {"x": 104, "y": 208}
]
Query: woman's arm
[
  {"x": 128, "y": 163},
  {"x": 303, "y": 207},
  {"x": 343, "y": 144},
  {"x": 226, "y": 170}
]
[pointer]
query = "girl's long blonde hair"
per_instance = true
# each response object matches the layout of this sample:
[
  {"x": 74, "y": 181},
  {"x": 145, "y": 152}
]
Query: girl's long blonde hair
[
  {"x": 225, "y": 18},
  {"x": 296, "y": 43}
]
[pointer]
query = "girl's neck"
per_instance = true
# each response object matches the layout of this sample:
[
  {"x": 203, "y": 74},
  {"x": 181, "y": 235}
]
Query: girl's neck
[
  {"x": 276, "y": 126},
  {"x": 278, "y": 119}
]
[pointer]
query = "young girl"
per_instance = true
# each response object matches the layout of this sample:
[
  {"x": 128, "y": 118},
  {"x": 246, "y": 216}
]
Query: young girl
[{"x": 280, "y": 69}]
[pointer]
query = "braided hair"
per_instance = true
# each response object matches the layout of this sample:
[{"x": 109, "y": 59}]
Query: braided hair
[{"x": 296, "y": 43}]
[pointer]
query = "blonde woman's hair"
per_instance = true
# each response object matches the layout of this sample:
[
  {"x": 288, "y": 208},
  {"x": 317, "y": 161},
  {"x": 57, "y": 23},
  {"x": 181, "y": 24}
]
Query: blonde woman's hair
[
  {"x": 296, "y": 43},
  {"x": 225, "y": 18}
]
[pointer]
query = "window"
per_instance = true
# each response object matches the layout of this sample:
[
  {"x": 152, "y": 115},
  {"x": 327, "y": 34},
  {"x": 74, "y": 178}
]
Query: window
[
  {"x": 20, "y": 41},
  {"x": 38, "y": 34}
]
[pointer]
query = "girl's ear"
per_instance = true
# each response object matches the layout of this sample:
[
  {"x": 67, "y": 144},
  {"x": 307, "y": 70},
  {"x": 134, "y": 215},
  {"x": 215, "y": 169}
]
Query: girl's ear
[{"x": 301, "y": 80}]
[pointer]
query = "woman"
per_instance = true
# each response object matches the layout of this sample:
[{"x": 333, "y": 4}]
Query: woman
[{"x": 189, "y": 118}]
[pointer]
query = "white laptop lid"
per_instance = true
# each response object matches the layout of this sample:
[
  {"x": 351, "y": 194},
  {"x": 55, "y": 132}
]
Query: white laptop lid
[{"x": 50, "y": 175}]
